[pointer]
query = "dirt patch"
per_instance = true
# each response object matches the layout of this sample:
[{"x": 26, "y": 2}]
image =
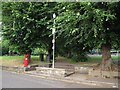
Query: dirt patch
[
  {"x": 12, "y": 62},
  {"x": 113, "y": 67}
]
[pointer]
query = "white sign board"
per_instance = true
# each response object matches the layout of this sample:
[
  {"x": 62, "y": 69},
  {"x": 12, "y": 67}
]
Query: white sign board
[
  {"x": 53, "y": 41},
  {"x": 53, "y": 31},
  {"x": 53, "y": 47}
]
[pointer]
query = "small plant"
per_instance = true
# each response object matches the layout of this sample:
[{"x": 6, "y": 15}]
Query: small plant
[{"x": 80, "y": 58}]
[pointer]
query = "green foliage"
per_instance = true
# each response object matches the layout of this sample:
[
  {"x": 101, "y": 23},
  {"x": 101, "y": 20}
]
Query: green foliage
[
  {"x": 39, "y": 51},
  {"x": 80, "y": 57},
  {"x": 89, "y": 24},
  {"x": 5, "y": 47},
  {"x": 80, "y": 26},
  {"x": 25, "y": 22}
]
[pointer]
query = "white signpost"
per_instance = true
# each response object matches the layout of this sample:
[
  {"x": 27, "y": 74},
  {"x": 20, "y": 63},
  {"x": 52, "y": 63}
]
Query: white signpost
[{"x": 53, "y": 41}]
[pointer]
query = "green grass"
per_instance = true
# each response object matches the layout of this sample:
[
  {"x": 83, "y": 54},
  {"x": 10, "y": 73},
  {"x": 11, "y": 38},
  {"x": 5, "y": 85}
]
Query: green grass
[
  {"x": 19, "y": 60},
  {"x": 99, "y": 58},
  {"x": 116, "y": 57},
  {"x": 18, "y": 57},
  {"x": 94, "y": 59},
  {"x": 11, "y": 57}
]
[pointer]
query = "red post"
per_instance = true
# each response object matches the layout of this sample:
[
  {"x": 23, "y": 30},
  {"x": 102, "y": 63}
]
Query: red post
[{"x": 26, "y": 59}]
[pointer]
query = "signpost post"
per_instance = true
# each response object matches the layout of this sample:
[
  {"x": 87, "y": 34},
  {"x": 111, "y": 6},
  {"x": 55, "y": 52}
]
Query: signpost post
[{"x": 53, "y": 41}]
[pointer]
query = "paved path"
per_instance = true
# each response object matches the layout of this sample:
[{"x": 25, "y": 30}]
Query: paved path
[{"x": 13, "y": 80}]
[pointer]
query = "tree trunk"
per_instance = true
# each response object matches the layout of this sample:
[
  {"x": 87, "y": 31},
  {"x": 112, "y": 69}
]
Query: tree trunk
[
  {"x": 69, "y": 54},
  {"x": 106, "y": 56},
  {"x": 30, "y": 58},
  {"x": 50, "y": 55},
  {"x": 29, "y": 52}
]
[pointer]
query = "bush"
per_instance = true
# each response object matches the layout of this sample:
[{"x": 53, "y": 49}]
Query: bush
[{"x": 80, "y": 57}]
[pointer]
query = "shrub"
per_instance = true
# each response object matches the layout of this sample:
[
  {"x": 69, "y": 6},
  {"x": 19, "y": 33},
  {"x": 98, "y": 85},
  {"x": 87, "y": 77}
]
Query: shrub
[{"x": 79, "y": 57}]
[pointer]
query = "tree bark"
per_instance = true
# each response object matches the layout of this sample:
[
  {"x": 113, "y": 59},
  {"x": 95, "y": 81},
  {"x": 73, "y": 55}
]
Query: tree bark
[
  {"x": 106, "y": 56},
  {"x": 29, "y": 52},
  {"x": 69, "y": 54},
  {"x": 50, "y": 54}
]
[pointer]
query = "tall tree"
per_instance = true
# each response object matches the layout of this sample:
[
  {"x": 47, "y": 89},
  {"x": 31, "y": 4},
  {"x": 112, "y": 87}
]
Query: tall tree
[
  {"x": 25, "y": 24},
  {"x": 91, "y": 24}
]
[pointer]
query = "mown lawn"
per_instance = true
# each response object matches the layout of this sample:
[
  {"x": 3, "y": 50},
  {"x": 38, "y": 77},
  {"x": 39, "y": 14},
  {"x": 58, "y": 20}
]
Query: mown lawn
[
  {"x": 11, "y": 57},
  {"x": 19, "y": 60},
  {"x": 99, "y": 58}
]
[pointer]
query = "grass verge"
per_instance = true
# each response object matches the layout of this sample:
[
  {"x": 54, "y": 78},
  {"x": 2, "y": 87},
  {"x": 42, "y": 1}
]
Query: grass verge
[{"x": 19, "y": 60}]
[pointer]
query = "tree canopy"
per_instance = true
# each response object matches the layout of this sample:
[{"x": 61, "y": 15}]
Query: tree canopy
[
  {"x": 80, "y": 26},
  {"x": 91, "y": 24},
  {"x": 25, "y": 24}
]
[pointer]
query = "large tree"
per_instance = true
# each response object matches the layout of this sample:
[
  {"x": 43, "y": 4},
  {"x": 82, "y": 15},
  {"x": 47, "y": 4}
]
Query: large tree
[
  {"x": 90, "y": 24},
  {"x": 82, "y": 26},
  {"x": 25, "y": 24}
]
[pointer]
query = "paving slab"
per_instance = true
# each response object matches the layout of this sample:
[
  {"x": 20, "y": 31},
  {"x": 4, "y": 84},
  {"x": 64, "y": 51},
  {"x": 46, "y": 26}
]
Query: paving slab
[
  {"x": 82, "y": 78},
  {"x": 79, "y": 78}
]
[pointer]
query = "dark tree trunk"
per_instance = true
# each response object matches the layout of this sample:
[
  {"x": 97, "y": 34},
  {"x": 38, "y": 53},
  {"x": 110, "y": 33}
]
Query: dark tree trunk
[
  {"x": 29, "y": 57},
  {"x": 69, "y": 54},
  {"x": 50, "y": 54},
  {"x": 106, "y": 56}
]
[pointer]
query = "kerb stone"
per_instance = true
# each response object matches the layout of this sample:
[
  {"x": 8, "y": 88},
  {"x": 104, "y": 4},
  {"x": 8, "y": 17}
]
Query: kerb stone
[{"x": 51, "y": 71}]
